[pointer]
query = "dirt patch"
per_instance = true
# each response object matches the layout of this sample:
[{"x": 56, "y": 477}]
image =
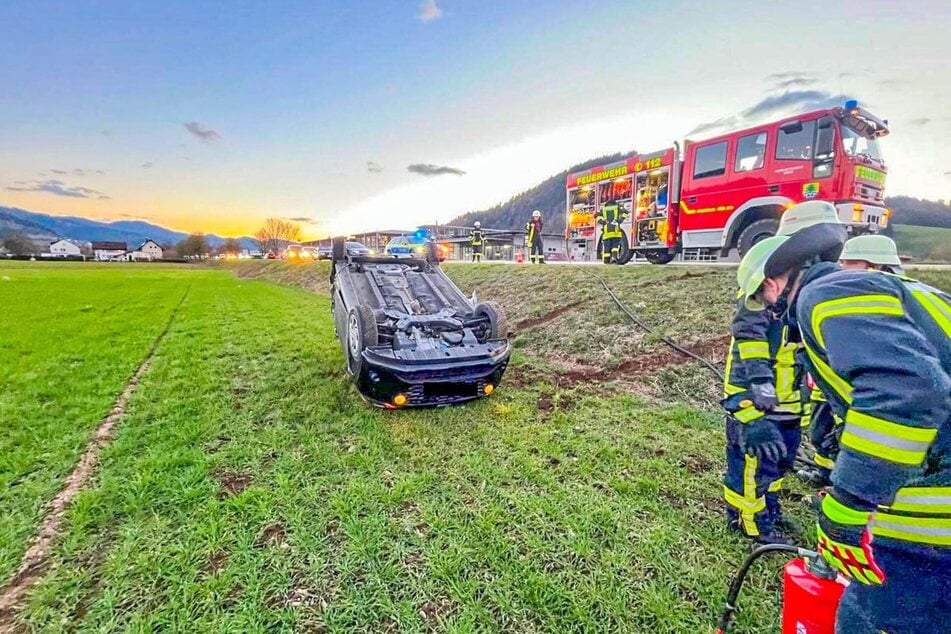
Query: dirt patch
[
  {"x": 697, "y": 464},
  {"x": 546, "y": 403},
  {"x": 36, "y": 558},
  {"x": 525, "y": 324},
  {"x": 434, "y": 612},
  {"x": 231, "y": 483},
  {"x": 216, "y": 562},
  {"x": 643, "y": 364},
  {"x": 274, "y": 534}
]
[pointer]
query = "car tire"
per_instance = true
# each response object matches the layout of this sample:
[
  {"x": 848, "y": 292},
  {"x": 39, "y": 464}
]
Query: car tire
[
  {"x": 338, "y": 250},
  {"x": 498, "y": 324},
  {"x": 756, "y": 232},
  {"x": 361, "y": 334}
]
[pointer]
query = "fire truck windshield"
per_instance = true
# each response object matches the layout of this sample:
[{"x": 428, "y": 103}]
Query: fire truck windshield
[{"x": 855, "y": 144}]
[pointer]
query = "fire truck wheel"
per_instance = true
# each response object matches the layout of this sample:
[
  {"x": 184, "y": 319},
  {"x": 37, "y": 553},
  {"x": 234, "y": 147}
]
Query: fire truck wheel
[
  {"x": 658, "y": 257},
  {"x": 757, "y": 231}
]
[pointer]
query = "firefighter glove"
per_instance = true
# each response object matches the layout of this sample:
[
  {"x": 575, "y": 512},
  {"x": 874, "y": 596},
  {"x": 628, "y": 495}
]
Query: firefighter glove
[
  {"x": 762, "y": 439},
  {"x": 764, "y": 396},
  {"x": 846, "y": 542}
]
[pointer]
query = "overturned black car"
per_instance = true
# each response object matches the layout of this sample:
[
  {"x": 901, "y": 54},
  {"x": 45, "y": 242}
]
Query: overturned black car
[{"x": 409, "y": 335}]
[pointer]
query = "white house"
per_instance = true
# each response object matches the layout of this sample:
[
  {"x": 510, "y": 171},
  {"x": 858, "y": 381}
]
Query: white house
[
  {"x": 148, "y": 250},
  {"x": 64, "y": 247},
  {"x": 105, "y": 251}
]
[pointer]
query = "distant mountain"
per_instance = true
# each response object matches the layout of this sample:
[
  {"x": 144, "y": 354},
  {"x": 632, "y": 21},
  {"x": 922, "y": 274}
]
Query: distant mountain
[
  {"x": 44, "y": 227},
  {"x": 549, "y": 197}
]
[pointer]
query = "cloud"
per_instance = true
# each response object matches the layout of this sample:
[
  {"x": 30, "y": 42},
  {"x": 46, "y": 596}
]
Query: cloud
[
  {"x": 428, "y": 11},
  {"x": 147, "y": 165},
  {"x": 428, "y": 169},
  {"x": 774, "y": 106},
  {"x": 791, "y": 79},
  {"x": 893, "y": 83},
  {"x": 920, "y": 121},
  {"x": 59, "y": 171},
  {"x": 203, "y": 133},
  {"x": 100, "y": 171},
  {"x": 57, "y": 188},
  {"x": 106, "y": 133},
  {"x": 79, "y": 172},
  {"x": 374, "y": 168},
  {"x": 303, "y": 219}
]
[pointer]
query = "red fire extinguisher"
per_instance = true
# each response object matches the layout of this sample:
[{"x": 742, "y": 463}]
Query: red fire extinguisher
[{"x": 811, "y": 591}]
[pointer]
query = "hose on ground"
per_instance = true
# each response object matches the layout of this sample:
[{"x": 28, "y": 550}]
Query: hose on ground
[{"x": 717, "y": 371}]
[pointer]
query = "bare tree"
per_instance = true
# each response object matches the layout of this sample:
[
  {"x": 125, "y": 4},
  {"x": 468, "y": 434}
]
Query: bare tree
[
  {"x": 277, "y": 233},
  {"x": 231, "y": 246},
  {"x": 195, "y": 245},
  {"x": 17, "y": 243}
]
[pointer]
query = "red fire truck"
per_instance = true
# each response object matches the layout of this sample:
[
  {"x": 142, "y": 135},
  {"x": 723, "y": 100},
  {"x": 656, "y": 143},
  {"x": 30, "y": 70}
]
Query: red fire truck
[{"x": 730, "y": 191}]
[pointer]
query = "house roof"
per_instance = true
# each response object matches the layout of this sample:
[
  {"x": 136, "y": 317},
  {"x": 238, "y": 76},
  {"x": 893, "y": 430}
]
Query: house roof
[
  {"x": 147, "y": 240},
  {"x": 109, "y": 246}
]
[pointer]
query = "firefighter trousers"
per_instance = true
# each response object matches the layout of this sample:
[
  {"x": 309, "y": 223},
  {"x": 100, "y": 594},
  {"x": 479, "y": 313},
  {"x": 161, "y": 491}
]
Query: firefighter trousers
[
  {"x": 751, "y": 485},
  {"x": 538, "y": 251},
  {"x": 610, "y": 249},
  {"x": 915, "y": 598},
  {"x": 476, "y": 252}
]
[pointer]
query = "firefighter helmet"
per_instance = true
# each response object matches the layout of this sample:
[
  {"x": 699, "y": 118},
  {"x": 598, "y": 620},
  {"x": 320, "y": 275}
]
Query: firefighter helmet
[
  {"x": 477, "y": 224},
  {"x": 536, "y": 214},
  {"x": 752, "y": 270},
  {"x": 807, "y": 214},
  {"x": 872, "y": 249}
]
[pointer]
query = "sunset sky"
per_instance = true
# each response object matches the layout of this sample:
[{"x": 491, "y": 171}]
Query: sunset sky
[{"x": 361, "y": 114}]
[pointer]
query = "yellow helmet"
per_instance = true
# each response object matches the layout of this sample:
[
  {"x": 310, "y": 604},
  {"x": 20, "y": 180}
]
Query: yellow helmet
[
  {"x": 872, "y": 248},
  {"x": 807, "y": 214},
  {"x": 752, "y": 270}
]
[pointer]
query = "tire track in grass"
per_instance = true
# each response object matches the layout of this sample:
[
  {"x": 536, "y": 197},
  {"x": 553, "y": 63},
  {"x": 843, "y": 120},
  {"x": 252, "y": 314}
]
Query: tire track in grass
[{"x": 35, "y": 559}]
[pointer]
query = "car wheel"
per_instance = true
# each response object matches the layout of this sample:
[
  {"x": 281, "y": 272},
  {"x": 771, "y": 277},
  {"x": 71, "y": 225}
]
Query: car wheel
[
  {"x": 756, "y": 232},
  {"x": 361, "y": 334},
  {"x": 498, "y": 324}
]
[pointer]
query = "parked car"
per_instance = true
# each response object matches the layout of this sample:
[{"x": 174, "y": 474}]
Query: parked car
[
  {"x": 292, "y": 252},
  {"x": 324, "y": 253},
  {"x": 309, "y": 253},
  {"x": 358, "y": 248}
]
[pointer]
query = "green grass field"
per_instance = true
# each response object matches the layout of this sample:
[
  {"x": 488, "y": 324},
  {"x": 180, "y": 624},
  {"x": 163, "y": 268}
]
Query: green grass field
[
  {"x": 249, "y": 489},
  {"x": 927, "y": 244}
]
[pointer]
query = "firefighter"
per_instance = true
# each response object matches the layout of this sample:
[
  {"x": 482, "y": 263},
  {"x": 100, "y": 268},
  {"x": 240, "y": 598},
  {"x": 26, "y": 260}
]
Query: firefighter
[
  {"x": 763, "y": 424},
  {"x": 533, "y": 239},
  {"x": 868, "y": 252},
  {"x": 872, "y": 253},
  {"x": 886, "y": 522},
  {"x": 610, "y": 219},
  {"x": 476, "y": 240}
]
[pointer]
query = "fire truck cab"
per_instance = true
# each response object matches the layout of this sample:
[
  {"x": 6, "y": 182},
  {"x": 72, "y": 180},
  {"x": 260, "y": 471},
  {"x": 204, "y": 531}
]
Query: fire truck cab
[{"x": 731, "y": 190}]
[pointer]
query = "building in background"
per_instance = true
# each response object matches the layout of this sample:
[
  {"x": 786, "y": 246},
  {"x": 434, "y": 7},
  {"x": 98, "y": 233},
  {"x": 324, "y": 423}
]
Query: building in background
[
  {"x": 148, "y": 250},
  {"x": 105, "y": 251},
  {"x": 62, "y": 248}
]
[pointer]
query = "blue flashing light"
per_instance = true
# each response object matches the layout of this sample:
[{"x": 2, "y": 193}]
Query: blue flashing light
[
  {"x": 420, "y": 234},
  {"x": 851, "y": 104}
]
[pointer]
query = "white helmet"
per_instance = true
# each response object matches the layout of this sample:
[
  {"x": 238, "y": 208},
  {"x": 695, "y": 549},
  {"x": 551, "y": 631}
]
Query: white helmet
[
  {"x": 477, "y": 224},
  {"x": 536, "y": 214},
  {"x": 875, "y": 249}
]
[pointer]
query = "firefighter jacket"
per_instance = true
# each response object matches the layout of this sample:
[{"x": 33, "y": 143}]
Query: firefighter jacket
[
  {"x": 760, "y": 352},
  {"x": 610, "y": 219},
  {"x": 879, "y": 347},
  {"x": 476, "y": 237},
  {"x": 534, "y": 229}
]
